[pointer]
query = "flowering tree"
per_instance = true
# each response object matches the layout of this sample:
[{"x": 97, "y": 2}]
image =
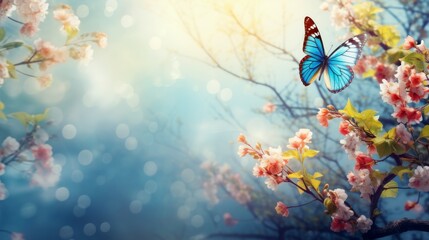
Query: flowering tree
[
  {"x": 30, "y": 152},
  {"x": 388, "y": 147}
]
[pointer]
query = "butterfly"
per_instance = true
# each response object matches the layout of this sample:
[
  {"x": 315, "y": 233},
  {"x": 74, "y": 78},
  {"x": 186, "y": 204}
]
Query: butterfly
[{"x": 337, "y": 67}]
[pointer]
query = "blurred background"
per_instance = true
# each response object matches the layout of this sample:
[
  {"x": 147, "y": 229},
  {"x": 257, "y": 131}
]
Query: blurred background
[{"x": 173, "y": 90}]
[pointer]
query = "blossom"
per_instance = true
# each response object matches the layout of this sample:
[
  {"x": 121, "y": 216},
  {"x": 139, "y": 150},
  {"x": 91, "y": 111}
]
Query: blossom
[
  {"x": 402, "y": 134},
  {"x": 29, "y": 29},
  {"x": 361, "y": 181},
  {"x": 340, "y": 17},
  {"x": 405, "y": 114},
  {"x": 210, "y": 192},
  {"x": 3, "y": 191},
  {"x": 43, "y": 152},
  {"x": 243, "y": 150},
  {"x": 422, "y": 47},
  {"x": 10, "y": 145},
  {"x": 45, "y": 80},
  {"x": 383, "y": 71},
  {"x": 271, "y": 183},
  {"x": 46, "y": 177},
  {"x": 258, "y": 171},
  {"x": 324, "y": 6},
  {"x": 6, "y": 7},
  {"x": 363, "y": 224},
  {"x": 342, "y": 211},
  {"x": 229, "y": 220},
  {"x": 323, "y": 116},
  {"x": 350, "y": 144},
  {"x": 409, "y": 43},
  {"x": 300, "y": 140},
  {"x": 420, "y": 179},
  {"x": 50, "y": 54},
  {"x": 364, "y": 162},
  {"x": 2, "y": 168},
  {"x": 344, "y": 128},
  {"x": 338, "y": 225},
  {"x": 4, "y": 71},
  {"x": 393, "y": 93},
  {"x": 241, "y": 138},
  {"x": 69, "y": 21},
  {"x": 100, "y": 39},
  {"x": 403, "y": 72},
  {"x": 269, "y": 107},
  {"x": 282, "y": 209},
  {"x": 413, "y": 206},
  {"x": 305, "y": 135},
  {"x": 17, "y": 236},
  {"x": 83, "y": 53}
]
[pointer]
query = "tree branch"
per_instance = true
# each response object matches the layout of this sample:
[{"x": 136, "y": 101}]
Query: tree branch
[{"x": 397, "y": 227}]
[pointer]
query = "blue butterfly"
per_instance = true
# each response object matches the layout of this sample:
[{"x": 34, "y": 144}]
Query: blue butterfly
[{"x": 337, "y": 66}]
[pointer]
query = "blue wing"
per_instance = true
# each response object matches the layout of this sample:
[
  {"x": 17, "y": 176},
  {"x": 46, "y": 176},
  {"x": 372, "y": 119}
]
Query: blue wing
[
  {"x": 311, "y": 65},
  {"x": 339, "y": 73}
]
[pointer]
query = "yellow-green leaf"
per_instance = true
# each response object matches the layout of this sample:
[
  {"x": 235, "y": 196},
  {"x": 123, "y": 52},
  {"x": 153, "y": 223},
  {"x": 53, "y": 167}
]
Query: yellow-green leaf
[
  {"x": 389, "y": 35},
  {"x": 71, "y": 32},
  {"x": 349, "y": 109},
  {"x": 295, "y": 175},
  {"x": 11, "y": 69},
  {"x": 2, "y": 34},
  {"x": 394, "y": 54},
  {"x": 391, "y": 190},
  {"x": 426, "y": 110},
  {"x": 369, "y": 73},
  {"x": 23, "y": 117},
  {"x": 400, "y": 171},
  {"x": 301, "y": 184},
  {"x": 40, "y": 117},
  {"x": 309, "y": 153},
  {"x": 315, "y": 183},
  {"x": 317, "y": 175},
  {"x": 416, "y": 59},
  {"x": 425, "y": 132},
  {"x": 290, "y": 154},
  {"x": 329, "y": 205}
]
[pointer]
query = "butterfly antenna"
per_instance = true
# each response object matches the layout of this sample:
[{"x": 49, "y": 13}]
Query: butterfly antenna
[{"x": 330, "y": 48}]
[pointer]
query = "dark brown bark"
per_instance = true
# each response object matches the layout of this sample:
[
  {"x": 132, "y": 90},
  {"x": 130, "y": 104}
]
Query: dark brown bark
[{"x": 397, "y": 227}]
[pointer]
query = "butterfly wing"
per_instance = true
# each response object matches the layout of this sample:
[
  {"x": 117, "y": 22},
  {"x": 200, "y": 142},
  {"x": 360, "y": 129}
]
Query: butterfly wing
[
  {"x": 339, "y": 73},
  {"x": 310, "y": 66}
]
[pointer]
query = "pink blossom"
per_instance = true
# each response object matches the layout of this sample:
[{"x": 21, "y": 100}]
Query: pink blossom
[
  {"x": 3, "y": 191},
  {"x": 402, "y": 134},
  {"x": 405, "y": 114},
  {"x": 282, "y": 209},
  {"x": 49, "y": 53},
  {"x": 338, "y": 225},
  {"x": 420, "y": 179},
  {"x": 305, "y": 135},
  {"x": 210, "y": 192},
  {"x": 229, "y": 220},
  {"x": 101, "y": 39},
  {"x": 300, "y": 140},
  {"x": 269, "y": 108},
  {"x": 65, "y": 15},
  {"x": 417, "y": 79},
  {"x": 323, "y": 116},
  {"x": 422, "y": 47},
  {"x": 272, "y": 162},
  {"x": 4, "y": 71},
  {"x": 413, "y": 206},
  {"x": 258, "y": 171},
  {"x": 271, "y": 183},
  {"x": 344, "y": 128},
  {"x": 364, "y": 162},
  {"x": 351, "y": 144},
  {"x": 46, "y": 177},
  {"x": 343, "y": 212},
  {"x": 241, "y": 138},
  {"x": 29, "y": 29},
  {"x": 403, "y": 72},
  {"x": 409, "y": 43},
  {"x": 393, "y": 93},
  {"x": 2, "y": 168},
  {"x": 363, "y": 224},
  {"x": 17, "y": 236},
  {"x": 361, "y": 182},
  {"x": 10, "y": 145},
  {"x": 6, "y": 7},
  {"x": 43, "y": 152},
  {"x": 82, "y": 53},
  {"x": 340, "y": 17},
  {"x": 243, "y": 150},
  {"x": 45, "y": 80},
  {"x": 383, "y": 71}
]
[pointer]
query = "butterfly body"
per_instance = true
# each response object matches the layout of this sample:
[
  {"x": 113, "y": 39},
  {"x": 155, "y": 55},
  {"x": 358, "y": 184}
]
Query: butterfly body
[{"x": 337, "y": 66}]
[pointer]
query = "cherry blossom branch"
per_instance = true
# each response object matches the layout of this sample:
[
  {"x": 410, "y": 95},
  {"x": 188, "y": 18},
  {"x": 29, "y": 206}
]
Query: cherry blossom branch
[{"x": 397, "y": 227}]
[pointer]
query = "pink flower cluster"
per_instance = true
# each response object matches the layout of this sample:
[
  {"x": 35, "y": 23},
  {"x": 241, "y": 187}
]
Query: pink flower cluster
[
  {"x": 361, "y": 182},
  {"x": 282, "y": 209},
  {"x": 49, "y": 53},
  {"x": 271, "y": 163},
  {"x": 409, "y": 86},
  {"x": 343, "y": 218},
  {"x": 32, "y": 13},
  {"x": 228, "y": 220},
  {"x": 269, "y": 107},
  {"x": 382, "y": 70},
  {"x": 420, "y": 179},
  {"x": 222, "y": 177}
]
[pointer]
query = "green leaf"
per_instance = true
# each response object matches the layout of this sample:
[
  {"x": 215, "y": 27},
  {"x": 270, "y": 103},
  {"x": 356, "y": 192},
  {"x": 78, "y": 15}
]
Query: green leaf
[
  {"x": 291, "y": 154},
  {"x": 40, "y": 117},
  {"x": 425, "y": 132},
  {"x": 391, "y": 190},
  {"x": 426, "y": 110},
  {"x": 309, "y": 153},
  {"x": 400, "y": 171},
  {"x": 349, "y": 109},
  {"x": 11, "y": 45},
  {"x": 394, "y": 54},
  {"x": 416, "y": 59},
  {"x": 2, "y": 34},
  {"x": 71, "y": 32},
  {"x": 23, "y": 117},
  {"x": 295, "y": 175},
  {"x": 329, "y": 205},
  {"x": 12, "y": 70}
]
